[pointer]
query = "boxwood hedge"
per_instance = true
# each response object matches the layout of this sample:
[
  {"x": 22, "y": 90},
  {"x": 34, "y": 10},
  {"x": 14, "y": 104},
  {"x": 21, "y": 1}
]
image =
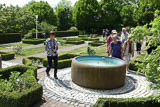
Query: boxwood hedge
[
  {"x": 90, "y": 39},
  {"x": 7, "y": 55},
  {"x": 96, "y": 43},
  {"x": 29, "y": 60},
  {"x": 22, "y": 99},
  {"x": 127, "y": 102},
  {"x": 64, "y": 60},
  {"x": 75, "y": 42},
  {"x": 10, "y": 37},
  {"x": 34, "y": 41}
]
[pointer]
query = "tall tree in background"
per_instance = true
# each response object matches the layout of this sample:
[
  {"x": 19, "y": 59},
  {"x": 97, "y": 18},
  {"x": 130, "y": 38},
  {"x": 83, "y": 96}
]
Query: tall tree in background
[
  {"x": 43, "y": 10},
  {"x": 85, "y": 14},
  {"x": 8, "y": 19},
  {"x": 64, "y": 15}
]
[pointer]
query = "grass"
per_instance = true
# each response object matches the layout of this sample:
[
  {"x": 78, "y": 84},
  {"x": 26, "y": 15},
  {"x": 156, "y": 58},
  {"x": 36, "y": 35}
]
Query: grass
[
  {"x": 100, "y": 51},
  {"x": 37, "y": 50},
  {"x": 7, "y": 46}
]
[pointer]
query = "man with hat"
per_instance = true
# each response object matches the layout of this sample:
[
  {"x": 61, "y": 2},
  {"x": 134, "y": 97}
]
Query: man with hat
[{"x": 51, "y": 48}]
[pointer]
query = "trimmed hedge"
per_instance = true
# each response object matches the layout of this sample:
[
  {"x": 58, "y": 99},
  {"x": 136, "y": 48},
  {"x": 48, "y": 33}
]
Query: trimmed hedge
[
  {"x": 128, "y": 102},
  {"x": 25, "y": 98},
  {"x": 29, "y": 60},
  {"x": 10, "y": 37},
  {"x": 64, "y": 60},
  {"x": 7, "y": 55},
  {"x": 90, "y": 39},
  {"x": 96, "y": 43},
  {"x": 72, "y": 39},
  {"x": 75, "y": 42},
  {"x": 66, "y": 33},
  {"x": 34, "y": 41},
  {"x": 83, "y": 36}
]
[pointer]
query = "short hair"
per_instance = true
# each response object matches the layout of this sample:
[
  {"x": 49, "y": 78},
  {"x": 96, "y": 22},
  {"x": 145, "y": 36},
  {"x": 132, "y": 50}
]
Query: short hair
[{"x": 52, "y": 33}]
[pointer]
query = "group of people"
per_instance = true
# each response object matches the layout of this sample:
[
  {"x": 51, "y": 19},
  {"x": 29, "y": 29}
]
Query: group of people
[
  {"x": 120, "y": 47},
  {"x": 116, "y": 47}
]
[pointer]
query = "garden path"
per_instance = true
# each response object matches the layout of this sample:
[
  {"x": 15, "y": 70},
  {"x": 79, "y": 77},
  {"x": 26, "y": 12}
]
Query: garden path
[{"x": 66, "y": 49}]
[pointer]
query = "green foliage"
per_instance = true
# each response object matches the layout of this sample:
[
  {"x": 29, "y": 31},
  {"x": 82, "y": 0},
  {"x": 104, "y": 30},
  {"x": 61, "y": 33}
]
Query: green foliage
[
  {"x": 139, "y": 33},
  {"x": 85, "y": 14},
  {"x": 9, "y": 37},
  {"x": 127, "y": 102},
  {"x": 18, "y": 49},
  {"x": 66, "y": 33},
  {"x": 75, "y": 42},
  {"x": 90, "y": 39},
  {"x": 72, "y": 39},
  {"x": 64, "y": 15},
  {"x": 91, "y": 52},
  {"x": 63, "y": 62},
  {"x": 96, "y": 43},
  {"x": 22, "y": 84},
  {"x": 7, "y": 55},
  {"x": 33, "y": 41},
  {"x": 73, "y": 28},
  {"x": 45, "y": 27},
  {"x": 32, "y": 61},
  {"x": 43, "y": 10}
]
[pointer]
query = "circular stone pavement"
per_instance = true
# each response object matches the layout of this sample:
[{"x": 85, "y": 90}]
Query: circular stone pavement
[{"x": 64, "y": 90}]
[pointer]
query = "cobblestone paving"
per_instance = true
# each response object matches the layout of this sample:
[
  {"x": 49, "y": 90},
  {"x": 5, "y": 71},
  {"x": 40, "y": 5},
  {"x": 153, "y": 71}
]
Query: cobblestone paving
[{"x": 64, "y": 90}]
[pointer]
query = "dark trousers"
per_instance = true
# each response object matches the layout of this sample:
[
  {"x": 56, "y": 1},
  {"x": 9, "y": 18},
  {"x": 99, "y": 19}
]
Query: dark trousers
[
  {"x": 138, "y": 45},
  {"x": 50, "y": 59}
]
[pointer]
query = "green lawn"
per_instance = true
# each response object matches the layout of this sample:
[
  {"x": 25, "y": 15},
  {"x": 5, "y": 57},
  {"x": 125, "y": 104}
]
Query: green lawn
[
  {"x": 13, "y": 45},
  {"x": 100, "y": 51},
  {"x": 37, "y": 50}
]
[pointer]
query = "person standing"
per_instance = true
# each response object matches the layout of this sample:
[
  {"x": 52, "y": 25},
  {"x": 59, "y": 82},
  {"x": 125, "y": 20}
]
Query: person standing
[
  {"x": 116, "y": 49},
  {"x": 109, "y": 40},
  {"x": 124, "y": 35},
  {"x": 128, "y": 51},
  {"x": 51, "y": 48}
]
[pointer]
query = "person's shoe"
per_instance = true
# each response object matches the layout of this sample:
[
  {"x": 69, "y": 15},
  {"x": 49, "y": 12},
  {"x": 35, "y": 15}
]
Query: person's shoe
[
  {"x": 48, "y": 74},
  {"x": 55, "y": 77}
]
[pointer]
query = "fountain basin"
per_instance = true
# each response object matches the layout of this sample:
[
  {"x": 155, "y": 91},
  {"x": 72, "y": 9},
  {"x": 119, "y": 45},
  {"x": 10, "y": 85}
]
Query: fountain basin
[{"x": 98, "y": 72}]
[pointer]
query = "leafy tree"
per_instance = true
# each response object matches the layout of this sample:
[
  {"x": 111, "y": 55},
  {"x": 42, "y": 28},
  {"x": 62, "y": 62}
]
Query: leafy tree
[
  {"x": 45, "y": 27},
  {"x": 85, "y": 14},
  {"x": 43, "y": 10},
  {"x": 8, "y": 20},
  {"x": 64, "y": 15}
]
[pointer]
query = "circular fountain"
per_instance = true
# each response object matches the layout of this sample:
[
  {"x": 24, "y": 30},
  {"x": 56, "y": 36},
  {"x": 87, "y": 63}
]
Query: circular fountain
[{"x": 98, "y": 72}]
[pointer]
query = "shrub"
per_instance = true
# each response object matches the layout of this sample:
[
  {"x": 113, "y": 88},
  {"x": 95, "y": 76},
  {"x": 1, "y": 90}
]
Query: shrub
[
  {"x": 96, "y": 43},
  {"x": 82, "y": 36},
  {"x": 10, "y": 37},
  {"x": 73, "y": 28},
  {"x": 89, "y": 39},
  {"x": 26, "y": 97},
  {"x": 128, "y": 102},
  {"x": 66, "y": 33},
  {"x": 75, "y": 42},
  {"x": 63, "y": 62},
  {"x": 34, "y": 41},
  {"x": 72, "y": 39},
  {"x": 29, "y": 61},
  {"x": 7, "y": 55}
]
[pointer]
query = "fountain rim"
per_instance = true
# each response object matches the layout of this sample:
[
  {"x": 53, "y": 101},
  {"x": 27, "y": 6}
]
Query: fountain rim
[{"x": 82, "y": 64}]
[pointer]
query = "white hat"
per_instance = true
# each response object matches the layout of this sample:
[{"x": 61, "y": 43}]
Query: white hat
[{"x": 114, "y": 31}]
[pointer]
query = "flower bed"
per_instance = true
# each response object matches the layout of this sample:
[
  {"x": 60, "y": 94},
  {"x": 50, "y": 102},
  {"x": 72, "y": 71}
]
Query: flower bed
[{"x": 23, "y": 98}]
